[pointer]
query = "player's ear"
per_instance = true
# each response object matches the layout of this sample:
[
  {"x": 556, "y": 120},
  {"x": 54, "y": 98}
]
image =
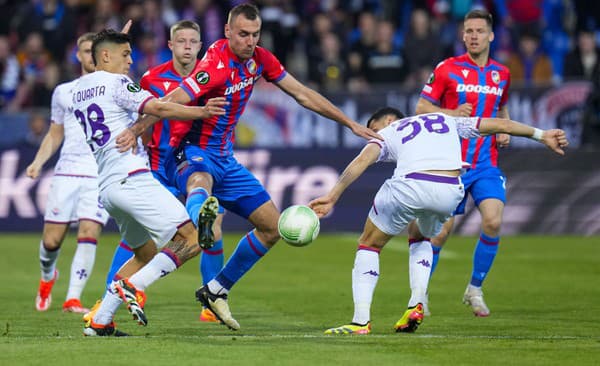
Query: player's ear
[
  {"x": 170, "y": 45},
  {"x": 227, "y": 31},
  {"x": 491, "y": 36}
]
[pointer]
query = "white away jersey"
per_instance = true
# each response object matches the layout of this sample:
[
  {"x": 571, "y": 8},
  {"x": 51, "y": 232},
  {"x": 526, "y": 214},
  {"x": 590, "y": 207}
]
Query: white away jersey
[
  {"x": 426, "y": 142},
  {"x": 75, "y": 155},
  {"x": 105, "y": 104}
]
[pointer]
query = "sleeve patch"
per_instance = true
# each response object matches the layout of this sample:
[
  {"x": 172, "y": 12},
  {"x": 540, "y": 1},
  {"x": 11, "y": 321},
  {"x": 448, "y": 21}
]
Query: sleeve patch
[
  {"x": 133, "y": 87},
  {"x": 202, "y": 77}
]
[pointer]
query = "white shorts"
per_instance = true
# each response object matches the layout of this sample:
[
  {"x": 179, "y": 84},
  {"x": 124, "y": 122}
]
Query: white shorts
[
  {"x": 143, "y": 210},
  {"x": 73, "y": 198},
  {"x": 401, "y": 200}
]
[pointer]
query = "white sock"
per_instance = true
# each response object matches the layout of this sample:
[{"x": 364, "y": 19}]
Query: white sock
[
  {"x": 419, "y": 267},
  {"x": 81, "y": 267},
  {"x": 160, "y": 266},
  {"x": 216, "y": 288},
  {"x": 108, "y": 307},
  {"x": 48, "y": 262},
  {"x": 364, "y": 279}
]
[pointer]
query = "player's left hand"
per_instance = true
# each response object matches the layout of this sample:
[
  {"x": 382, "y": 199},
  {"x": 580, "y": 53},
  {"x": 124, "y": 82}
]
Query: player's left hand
[
  {"x": 126, "y": 140},
  {"x": 322, "y": 205},
  {"x": 364, "y": 132},
  {"x": 556, "y": 140},
  {"x": 502, "y": 140}
]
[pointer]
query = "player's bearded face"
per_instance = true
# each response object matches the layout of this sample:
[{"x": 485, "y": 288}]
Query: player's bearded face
[
  {"x": 477, "y": 36},
  {"x": 243, "y": 35}
]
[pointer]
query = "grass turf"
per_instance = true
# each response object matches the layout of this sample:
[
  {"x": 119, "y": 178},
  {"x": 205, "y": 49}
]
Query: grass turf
[{"x": 542, "y": 293}]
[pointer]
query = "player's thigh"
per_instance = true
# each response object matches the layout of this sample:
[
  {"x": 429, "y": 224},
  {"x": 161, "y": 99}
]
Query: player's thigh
[
  {"x": 489, "y": 184},
  {"x": 240, "y": 192},
  {"x": 88, "y": 205},
  {"x": 62, "y": 200},
  {"x": 196, "y": 167},
  {"x": 141, "y": 202},
  {"x": 389, "y": 213}
]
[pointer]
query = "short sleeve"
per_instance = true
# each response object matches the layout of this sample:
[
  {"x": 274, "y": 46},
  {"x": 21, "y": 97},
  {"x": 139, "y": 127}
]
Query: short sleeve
[
  {"x": 436, "y": 84},
  {"x": 129, "y": 95},
  {"x": 467, "y": 127},
  {"x": 208, "y": 77},
  {"x": 273, "y": 70},
  {"x": 57, "y": 111}
]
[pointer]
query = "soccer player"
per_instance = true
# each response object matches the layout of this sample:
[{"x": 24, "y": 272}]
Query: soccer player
[
  {"x": 474, "y": 85},
  {"x": 421, "y": 195},
  {"x": 206, "y": 165},
  {"x": 148, "y": 216},
  {"x": 73, "y": 194},
  {"x": 166, "y": 135}
]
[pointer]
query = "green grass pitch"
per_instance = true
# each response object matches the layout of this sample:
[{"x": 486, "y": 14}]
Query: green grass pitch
[{"x": 543, "y": 293}]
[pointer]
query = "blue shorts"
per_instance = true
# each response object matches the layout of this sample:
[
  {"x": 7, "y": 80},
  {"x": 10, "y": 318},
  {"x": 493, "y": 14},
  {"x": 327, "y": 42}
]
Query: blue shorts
[
  {"x": 482, "y": 184},
  {"x": 235, "y": 187},
  {"x": 165, "y": 174}
]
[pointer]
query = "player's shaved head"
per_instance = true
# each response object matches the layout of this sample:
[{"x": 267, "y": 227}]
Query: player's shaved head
[
  {"x": 183, "y": 24},
  {"x": 249, "y": 11},
  {"x": 384, "y": 112},
  {"x": 105, "y": 38}
]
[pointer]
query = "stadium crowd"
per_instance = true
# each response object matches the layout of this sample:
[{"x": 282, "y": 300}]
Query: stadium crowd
[{"x": 332, "y": 45}]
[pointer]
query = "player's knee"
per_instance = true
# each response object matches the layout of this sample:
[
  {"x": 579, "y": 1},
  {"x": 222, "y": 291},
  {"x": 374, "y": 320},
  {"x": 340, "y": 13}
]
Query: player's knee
[
  {"x": 199, "y": 179},
  {"x": 491, "y": 225},
  {"x": 268, "y": 236}
]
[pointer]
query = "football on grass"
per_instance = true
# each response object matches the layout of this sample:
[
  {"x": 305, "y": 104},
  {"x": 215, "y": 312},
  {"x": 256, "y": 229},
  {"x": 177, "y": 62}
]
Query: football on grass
[{"x": 298, "y": 225}]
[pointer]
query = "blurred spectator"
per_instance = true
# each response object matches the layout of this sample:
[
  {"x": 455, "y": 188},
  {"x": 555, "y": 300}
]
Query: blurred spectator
[
  {"x": 362, "y": 43},
  {"x": 584, "y": 60},
  {"x": 211, "y": 18},
  {"x": 423, "y": 48},
  {"x": 33, "y": 58},
  {"x": 591, "y": 116},
  {"x": 151, "y": 22},
  {"x": 279, "y": 27},
  {"x": 103, "y": 15},
  {"x": 529, "y": 65},
  {"x": 52, "y": 19},
  {"x": 41, "y": 92},
  {"x": 13, "y": 91},
  {"x": 329, "y": 71},
  {"x": 385, "y": 63},
  {"x": 520, "y": 17},
  {"x": 38, "y": 125},
  {"x": 148, "y": 53}
]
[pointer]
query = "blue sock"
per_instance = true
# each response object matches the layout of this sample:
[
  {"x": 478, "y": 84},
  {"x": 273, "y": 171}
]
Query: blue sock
[
  {"x": 484, "y": 255},
  {"x": 194, "y": 201},
  {"x": 211, "y": 261},
  {"x": 249, "y": 250},
  {"x": 436, "y": 257},
  {"x": 122, "y": 255}
]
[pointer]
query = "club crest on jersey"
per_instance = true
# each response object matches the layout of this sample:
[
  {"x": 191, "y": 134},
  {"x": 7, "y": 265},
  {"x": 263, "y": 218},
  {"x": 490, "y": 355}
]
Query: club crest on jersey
[
  {"x": 133, "y": 87},
  {"x": 251, "y": 66},
  {"x": 202, "y": 77},
  {"x": 495, "y": 76}
]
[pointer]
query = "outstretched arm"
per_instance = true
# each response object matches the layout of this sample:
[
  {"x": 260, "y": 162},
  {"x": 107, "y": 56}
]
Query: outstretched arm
[
  {"x": 50, "y": 144},
  {"x": 554, "y": 139},
  {"x": 367, "y": 156},
  {"x": 169, "y": 106},
  {"x": 314, "y": 101}
]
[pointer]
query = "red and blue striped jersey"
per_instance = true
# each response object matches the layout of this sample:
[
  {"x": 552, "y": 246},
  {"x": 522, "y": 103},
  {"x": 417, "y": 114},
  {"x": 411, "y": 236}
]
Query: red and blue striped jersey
[
  {"x": 166, "y": 134},
  {"x": 459, "y": 80},
  {"x": 222, "y": 74}
]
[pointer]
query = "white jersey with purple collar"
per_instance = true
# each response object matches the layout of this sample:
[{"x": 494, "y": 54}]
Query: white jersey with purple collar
[
  {"x": 76, "y": 158},
  {"x": 105, "y": 104},
  {"x": 426, "y": 142}
]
